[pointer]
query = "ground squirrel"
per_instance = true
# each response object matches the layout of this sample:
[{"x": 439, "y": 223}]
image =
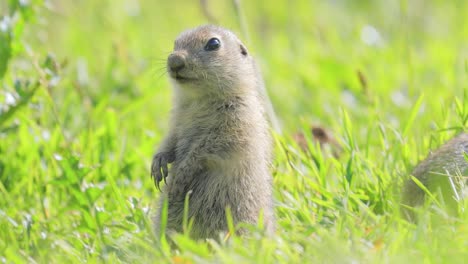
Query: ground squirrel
[
  {"x": 218, "y": 142},
  {"x": 441, "y": 173}
]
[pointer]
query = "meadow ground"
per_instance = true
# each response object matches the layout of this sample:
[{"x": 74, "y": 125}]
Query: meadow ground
[{"x": 85, "y": 100}]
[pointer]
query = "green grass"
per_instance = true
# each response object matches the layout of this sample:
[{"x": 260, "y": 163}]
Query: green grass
[{"x": 91, "y": 103}]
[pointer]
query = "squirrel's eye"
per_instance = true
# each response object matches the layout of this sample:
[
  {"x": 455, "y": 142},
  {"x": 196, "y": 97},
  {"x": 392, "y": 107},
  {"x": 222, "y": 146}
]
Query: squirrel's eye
[{"x": 212, "y": 44}]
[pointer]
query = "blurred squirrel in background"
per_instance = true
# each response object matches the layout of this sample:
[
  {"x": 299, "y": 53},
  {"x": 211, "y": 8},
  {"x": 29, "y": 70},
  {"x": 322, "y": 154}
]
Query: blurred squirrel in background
[{"x": 443, "y": 173}]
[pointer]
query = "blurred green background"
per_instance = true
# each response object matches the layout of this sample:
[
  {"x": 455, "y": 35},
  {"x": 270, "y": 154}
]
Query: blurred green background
[{"x": 85, "y": 101}]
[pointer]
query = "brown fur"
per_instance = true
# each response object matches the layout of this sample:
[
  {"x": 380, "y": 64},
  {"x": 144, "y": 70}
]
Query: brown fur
[
  {"x": 218, "y": 143},
  {"x": 440, "y": 173}
]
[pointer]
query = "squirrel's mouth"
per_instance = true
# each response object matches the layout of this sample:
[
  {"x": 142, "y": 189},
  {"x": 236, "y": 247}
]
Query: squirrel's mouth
[{"x": 180, "y": 78}]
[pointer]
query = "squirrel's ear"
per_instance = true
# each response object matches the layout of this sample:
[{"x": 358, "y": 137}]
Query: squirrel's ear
[{"x": 243, "y": 50}]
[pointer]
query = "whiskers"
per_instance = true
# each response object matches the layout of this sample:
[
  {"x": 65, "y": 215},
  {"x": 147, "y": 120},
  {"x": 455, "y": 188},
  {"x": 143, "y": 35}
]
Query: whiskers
[{"x": 158, "y": 68}]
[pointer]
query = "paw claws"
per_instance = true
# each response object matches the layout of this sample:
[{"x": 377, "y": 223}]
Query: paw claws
[{"x": 159, "y": 170}]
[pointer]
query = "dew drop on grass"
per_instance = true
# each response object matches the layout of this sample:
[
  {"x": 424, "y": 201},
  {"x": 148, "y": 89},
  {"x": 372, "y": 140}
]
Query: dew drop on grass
[
  {"x": 400, "y": 99},
  {"x": 370, "y": 36},
  {"x": 138, "y": 184},
  {"x": 348, "y": 98},
  {"x": 82, "y": 72},
  {"x": 10, "y": 99},
  {"x": 5, "y": 24},
  {"x": 58, "y": 157},
  {"x": 133, "y": 8},
  {"x": 46, "y": 135},
  {"x": 54, "y": 81}
]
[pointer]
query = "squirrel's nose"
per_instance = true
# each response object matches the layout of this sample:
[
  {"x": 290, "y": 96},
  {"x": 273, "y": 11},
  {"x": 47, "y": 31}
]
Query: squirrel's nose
[{"x": 175, "y": 62}]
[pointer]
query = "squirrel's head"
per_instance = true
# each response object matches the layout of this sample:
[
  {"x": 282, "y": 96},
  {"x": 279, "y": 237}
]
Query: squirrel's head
[{"x": 211, "y": 59}]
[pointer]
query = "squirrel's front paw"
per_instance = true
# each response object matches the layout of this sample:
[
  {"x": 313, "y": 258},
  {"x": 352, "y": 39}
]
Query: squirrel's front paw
[{"x": 159, "y": 169}]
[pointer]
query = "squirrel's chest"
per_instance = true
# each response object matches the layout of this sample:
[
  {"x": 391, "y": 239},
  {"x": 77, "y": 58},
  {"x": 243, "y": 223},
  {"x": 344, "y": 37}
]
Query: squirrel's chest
[{"x": 208, "y": 133}]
